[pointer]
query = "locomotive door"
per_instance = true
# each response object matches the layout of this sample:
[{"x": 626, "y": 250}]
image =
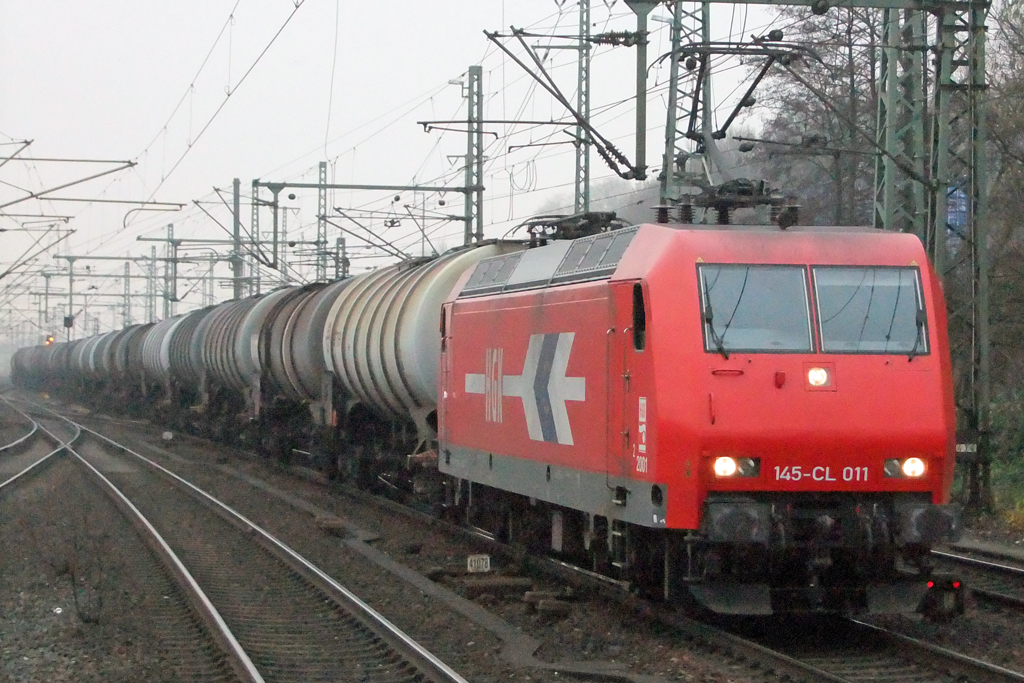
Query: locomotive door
[{"x": 625, "y": 339}]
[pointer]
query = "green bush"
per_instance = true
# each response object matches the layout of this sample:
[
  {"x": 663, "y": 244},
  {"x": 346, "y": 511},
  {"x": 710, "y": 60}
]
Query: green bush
[{"x": 1007, "y": 451}]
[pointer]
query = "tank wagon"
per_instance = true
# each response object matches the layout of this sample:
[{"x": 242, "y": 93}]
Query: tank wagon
[
  {"x": 758, "y": 420},
  {"x": 344, "y": 372}
]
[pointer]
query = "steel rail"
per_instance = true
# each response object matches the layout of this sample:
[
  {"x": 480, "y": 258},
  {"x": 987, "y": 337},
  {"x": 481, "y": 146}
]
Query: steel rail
[
  {"x": 422, "y": 658},
  {"x": 241, "y": 662},
  {"x": 239, "y": 659},
  {"x": 958, "y": 664},
  {"x": 984, "y": 564},
  {"x": 924, "y": 654},
  {"x": 31, "y": 433},
  {"x": 62, "y": 445},
  {"x": 991, "y": 568}
]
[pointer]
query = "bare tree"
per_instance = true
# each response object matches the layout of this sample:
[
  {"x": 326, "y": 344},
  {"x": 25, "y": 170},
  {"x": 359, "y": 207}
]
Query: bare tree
[{"x": 823, "y": 108}]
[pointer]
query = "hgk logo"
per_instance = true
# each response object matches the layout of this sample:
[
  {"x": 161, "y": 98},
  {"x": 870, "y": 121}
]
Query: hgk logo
[{"x": 543, "y": 386}]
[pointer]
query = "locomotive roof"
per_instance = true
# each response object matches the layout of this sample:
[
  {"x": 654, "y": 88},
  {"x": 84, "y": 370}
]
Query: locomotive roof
[{"x": 598, "y": 257}]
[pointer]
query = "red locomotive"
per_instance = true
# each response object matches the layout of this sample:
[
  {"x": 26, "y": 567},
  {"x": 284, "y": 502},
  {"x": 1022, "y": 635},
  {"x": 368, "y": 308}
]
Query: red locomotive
[{"x": 760, "y": 419}]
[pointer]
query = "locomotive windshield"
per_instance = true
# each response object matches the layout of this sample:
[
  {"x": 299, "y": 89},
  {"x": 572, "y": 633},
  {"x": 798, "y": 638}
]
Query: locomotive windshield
[
  {"x": 755, "y": 308},
  {"x": 870, "y": 310}
]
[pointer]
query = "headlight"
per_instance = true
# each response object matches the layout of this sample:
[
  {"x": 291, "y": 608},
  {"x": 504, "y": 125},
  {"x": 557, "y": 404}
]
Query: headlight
[
  {"x": 726, "y": 466},
  {"x": 913, "y": 467},
  {"x": 818, "y": 377},
  {"x": 901, "y": 469}
]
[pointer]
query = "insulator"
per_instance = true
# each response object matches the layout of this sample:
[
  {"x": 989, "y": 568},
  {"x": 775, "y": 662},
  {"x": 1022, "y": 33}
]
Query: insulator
[
  {"x": 686, "y": 213},
  {"x": 661, "y": 214}
]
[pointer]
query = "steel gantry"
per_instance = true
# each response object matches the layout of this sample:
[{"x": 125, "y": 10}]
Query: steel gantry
[
  {"x": 938, "y": 192},
  {"x": 901, "y": 185},
  {"x": 473, "y": 230},
  {"x": 581, "y": 203},
  {"x": 958, "y": 230},
  {"x": 474, "y": 209},
  {"x": 688, "y": 95},
  {"x": 913, "y": 182},
  {"x": 321, "y": 224}
]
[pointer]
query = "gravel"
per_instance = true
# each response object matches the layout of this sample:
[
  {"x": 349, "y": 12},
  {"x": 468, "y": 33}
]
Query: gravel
[{"x": 71, "y": 605}]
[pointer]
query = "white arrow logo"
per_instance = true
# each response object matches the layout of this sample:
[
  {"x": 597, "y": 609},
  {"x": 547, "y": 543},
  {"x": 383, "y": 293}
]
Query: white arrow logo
[{"x": 543, "y": 386}]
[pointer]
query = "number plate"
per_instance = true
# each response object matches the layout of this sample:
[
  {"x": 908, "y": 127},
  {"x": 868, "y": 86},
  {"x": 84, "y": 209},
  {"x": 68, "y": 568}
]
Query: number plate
[
  {"x": 478, "y": 564},
  {"x": 820, "y": 473}
]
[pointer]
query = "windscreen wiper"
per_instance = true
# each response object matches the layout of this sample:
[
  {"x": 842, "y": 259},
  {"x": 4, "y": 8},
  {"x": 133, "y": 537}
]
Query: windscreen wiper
[
  {"x": 920, "y": 334},
  {"x": 719, "y": 343}
]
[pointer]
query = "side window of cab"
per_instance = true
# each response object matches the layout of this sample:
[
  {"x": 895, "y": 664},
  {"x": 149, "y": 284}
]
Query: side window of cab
[{"x": 639, "y": 318}]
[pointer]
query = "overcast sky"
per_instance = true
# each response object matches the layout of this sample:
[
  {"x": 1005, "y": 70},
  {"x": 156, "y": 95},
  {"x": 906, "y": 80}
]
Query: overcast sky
[{"x": 198, "y": 92}]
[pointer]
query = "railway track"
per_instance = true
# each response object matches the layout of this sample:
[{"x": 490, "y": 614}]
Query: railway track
[
  {"x": 852, "y": 651},
  {"x": 15, "y": 436},
  {"x": 106, "y": 548},
  {"x": 273, "y": 615},
  {"x": 989, "y": 581},
  {"x": 849, "y": 651},
  {"x": 25, "y": 451},
  {"x": 824, "y": 649}
]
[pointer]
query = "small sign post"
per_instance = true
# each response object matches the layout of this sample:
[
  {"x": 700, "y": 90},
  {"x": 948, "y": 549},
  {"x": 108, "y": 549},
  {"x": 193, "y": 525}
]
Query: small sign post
[{"x": 478, "y": 564}]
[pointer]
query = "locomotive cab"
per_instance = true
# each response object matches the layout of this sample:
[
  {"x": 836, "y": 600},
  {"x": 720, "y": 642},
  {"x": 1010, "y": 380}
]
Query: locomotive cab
[{"x": 828, "y": 454}]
